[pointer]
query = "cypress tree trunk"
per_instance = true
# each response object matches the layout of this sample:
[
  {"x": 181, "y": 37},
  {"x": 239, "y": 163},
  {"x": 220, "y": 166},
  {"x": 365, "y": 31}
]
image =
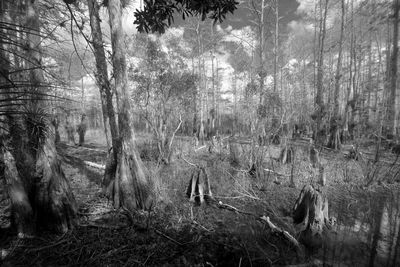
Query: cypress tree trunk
[
  {"x": 131, "y": 188},
  {"x": 392, "y": 112},
  {"x": 40, "y": 194},
  {"x": 378, "y": 219},
  {"x": 319, "y": 100},
  {"x": 21, "y": 208},
  {"x": 82, "y": 130},
  {"x": 102, "y": 79},
  {"x": 335, "y": 123},
  {"x": 53, "y": 203},
  {"x": 311, "y": 213}
]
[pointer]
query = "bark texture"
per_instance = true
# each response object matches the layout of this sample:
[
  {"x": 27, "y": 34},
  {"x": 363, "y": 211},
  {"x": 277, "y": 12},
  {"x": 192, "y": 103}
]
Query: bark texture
[
  {"x": 131, "y": 188},
  {"x": 392, "y": 112},
  {"x": 21, "y": 209},
  {"x": 199, "y": 189},
  {"x": 310, "y": 212},
  {"x": 55, "y": 204},
  {"x": 102, "y": 80}
]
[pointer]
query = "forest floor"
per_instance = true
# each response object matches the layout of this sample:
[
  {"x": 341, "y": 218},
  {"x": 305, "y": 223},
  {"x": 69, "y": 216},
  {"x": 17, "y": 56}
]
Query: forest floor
[{"x": 180, "y": 233}]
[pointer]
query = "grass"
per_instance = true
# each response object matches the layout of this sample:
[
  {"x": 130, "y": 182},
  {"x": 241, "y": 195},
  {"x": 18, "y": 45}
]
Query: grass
[{"x": 179, "y": 233}]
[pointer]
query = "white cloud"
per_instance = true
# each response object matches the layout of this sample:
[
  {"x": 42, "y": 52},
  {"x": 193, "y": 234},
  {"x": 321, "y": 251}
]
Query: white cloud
[
  {"x": 306, "y": 6},
  {"x": 300, "y": 26},
  {"x": 128, "y": 16},
  {"x": 244, "y": 36}
]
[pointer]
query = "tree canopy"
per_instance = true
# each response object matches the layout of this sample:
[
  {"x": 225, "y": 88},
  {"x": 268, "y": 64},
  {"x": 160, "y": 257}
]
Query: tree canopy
[{"x": 159, "y": 15}]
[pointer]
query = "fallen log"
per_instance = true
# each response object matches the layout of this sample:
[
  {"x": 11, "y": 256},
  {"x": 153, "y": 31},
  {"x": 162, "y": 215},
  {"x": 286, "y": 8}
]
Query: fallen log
[
  {"x": 85, "y": 148},
  {"x": 277, "y": 173},
  {"x": 283, "y": 233},
  {"x": 95, "y": 165},
  {"x": 265, "y": 219}
]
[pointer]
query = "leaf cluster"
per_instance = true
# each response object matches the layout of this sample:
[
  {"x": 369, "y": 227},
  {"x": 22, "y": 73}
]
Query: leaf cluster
[{"x": 158, "y": 15}]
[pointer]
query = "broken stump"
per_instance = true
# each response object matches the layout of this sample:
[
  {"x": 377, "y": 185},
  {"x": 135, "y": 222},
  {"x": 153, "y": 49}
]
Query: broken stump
[
  {"x": 198, "y": 190},
  {"x": 310, "y": 214},
  {"x": 314, "y": 157},
  {"x": 287, "y": 155}
]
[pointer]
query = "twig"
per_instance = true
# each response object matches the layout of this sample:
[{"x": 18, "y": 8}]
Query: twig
[
  {"x": 254, "y": 196},
  {"x": 173, "y": 135},
  {"x": 226, "y": 197},
  {"x": 5, "y": 254},
  {"x": 284, "y": 233},
  {"x": 277, "y": 173},
  {"x": 167, "y": 237},
  {"x": 208, "y": 230},
  {"x": 265, "y": 219},
  {"x": 49, "y": 246},
  {"x": 248, "y": 195},
  {"x": 192, "y": 164},
  {"x": 239, "y": 170},
  {"x": 94, "y": 213},
  {"x": 232, "y": 208},
  {"x": 248, "y": 255},
  {"x": 113, "y": 227},
  {"x": 200, "y": 148},
  {"x": 148, "y": 257}
]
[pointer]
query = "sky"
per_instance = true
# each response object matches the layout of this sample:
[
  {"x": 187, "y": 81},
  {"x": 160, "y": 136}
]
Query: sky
[
  {"x": 289, "y": 10},
  {"x": 291, "y": 14},
  {"x": 241, "y": 17}
]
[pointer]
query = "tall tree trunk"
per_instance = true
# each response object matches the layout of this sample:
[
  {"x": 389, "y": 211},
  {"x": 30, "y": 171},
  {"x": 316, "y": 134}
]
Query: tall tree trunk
[
  {"x": 40, "y": 194},
  {"x": 335, "y": 123},
  {"x": 21, "y": 208},
  {"x": 315, "y": 51},
  {"x": 218, "y": 98},
  {"x": 235, "y": 110},
  {"x": 369, "y": 92},
  {"x": 200, "y": 83},
  {"x": 195, "y": 96},
  {"x": 395, "y": 259},
  {"x": 319, "y": 101},
  {"x": 261, "y": 55},
  {"x": 131, "y": 188},
  {"x": 392, "y": 112},
  {"x": 102, "y": 80},
  {"x": 214, "y": 105},
  {"x": 378, "y": 220},
  {"x": 339, "y": 64},
  {"x": 54, "y": 203},
  {"x": 276, "y": 39},
  {"x": 261, "y": 108},
  {"x": 347, "y": 130}
]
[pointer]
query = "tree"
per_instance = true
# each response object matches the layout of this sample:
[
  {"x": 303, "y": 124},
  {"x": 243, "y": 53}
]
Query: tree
[
  {"x": 130, "y": 187},
  {"x": 164, "y": 89},
  {"x": 319, "y": 101},
  {"x": 158, "y": 15},
  {"x": 392, "y": 110},
  {"x": 81, "y": 129},
  {"x": 335, "y": 123},
  {"x": 39, "y": 192},
  {"x": 102, "y": 79}
]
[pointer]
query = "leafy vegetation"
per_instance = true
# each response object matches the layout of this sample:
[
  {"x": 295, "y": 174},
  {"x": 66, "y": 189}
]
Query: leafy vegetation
[{"x": 199, "y": 133}]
